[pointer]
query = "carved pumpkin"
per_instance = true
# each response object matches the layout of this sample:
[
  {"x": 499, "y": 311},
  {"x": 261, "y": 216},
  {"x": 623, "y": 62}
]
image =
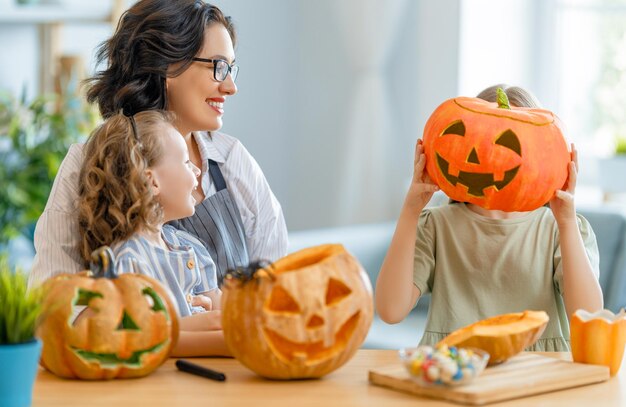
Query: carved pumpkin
[
  {"x": 302, "y": 317},
  {"x": 495, "y": 155},
  {"x": 598, "y": 338},
  {"x": 128, "y": 328},
  {"x": 501, "y": 336}
]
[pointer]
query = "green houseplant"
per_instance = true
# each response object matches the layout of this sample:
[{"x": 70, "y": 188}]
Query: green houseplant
[
  {"x": 620, "y": 146},
  {"x": 34, "y": 138},
  {"x": 20, "y": 308}
]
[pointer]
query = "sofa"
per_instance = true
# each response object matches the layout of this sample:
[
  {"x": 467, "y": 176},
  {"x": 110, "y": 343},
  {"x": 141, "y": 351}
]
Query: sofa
[{"x": 369, "y": 243}]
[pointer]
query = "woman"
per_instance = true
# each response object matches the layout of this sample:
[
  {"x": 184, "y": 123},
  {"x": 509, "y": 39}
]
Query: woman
[{"x": 177, "y": 56}]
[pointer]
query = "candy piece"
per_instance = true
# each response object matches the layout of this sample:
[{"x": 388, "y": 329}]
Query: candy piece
[
  {"x": 432, "y": 373},
  {"x": 416, "y": 365}
]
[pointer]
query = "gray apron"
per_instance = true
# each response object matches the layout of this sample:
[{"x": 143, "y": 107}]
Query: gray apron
[{"x": 217, "y": 223}]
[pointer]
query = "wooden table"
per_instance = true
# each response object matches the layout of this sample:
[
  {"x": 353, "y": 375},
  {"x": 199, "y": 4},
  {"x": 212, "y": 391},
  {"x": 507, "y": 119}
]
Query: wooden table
[{"x": 347, "y": 386}]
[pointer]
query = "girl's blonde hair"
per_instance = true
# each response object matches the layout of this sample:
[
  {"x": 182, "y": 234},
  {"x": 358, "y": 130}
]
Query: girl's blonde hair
[
  {"x": 115, "y": 195},
  {"x": 518, "y": 97}
]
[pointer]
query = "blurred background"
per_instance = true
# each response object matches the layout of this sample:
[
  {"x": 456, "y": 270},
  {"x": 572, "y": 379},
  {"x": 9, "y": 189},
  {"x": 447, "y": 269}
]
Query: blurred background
[{"x": 332, "y": 93}]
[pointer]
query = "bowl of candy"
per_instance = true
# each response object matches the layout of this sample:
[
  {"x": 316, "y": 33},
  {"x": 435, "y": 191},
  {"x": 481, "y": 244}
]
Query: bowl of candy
[{"x": 443, "y": 365}]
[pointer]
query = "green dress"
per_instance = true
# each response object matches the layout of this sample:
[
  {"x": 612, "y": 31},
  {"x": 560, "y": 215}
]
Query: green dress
[{"x": 476, "y": 267}]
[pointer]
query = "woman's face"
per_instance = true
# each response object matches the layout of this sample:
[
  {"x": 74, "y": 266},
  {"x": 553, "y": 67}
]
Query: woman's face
[
  {"x": 197, "y": 99},
  {"x": 174, "y": 177}
]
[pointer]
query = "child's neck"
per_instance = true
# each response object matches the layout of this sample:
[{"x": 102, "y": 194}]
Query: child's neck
[
  {"x": 493, "y": 214},
  {"x": 155, "y": 237}
]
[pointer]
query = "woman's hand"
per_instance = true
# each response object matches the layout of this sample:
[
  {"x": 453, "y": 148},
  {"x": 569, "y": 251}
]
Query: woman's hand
[
  {"x": 422, "y": 187},
  {"x": 562, "y": 204}
]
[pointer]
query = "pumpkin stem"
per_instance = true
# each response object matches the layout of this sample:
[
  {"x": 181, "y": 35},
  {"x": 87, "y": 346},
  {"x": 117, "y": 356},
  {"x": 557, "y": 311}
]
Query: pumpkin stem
[
  {"x": 248, "y": 273},
  {"x": 102, "y": 263},
  {"x": 502, "y": 99}
]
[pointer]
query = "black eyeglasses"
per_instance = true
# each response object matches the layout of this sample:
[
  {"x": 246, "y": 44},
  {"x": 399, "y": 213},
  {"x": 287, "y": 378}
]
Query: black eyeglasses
[{"x": 221, "y": 68}]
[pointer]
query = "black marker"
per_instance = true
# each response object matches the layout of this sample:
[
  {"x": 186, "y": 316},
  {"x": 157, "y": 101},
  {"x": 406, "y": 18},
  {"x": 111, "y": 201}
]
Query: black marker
[{"x": 186, "y": 366}]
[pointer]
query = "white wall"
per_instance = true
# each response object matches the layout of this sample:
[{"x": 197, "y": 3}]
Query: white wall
[{"x": 20, "y": 61}]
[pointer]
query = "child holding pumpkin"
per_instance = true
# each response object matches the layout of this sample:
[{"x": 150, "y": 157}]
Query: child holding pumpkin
[
  {"x": 481, "y": 262},
  {"x": 135, "y": 177}
]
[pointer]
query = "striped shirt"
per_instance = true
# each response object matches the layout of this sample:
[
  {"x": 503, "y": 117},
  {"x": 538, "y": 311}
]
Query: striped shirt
[
  {"x": 186, "y": 268},
  {"x": 57, "y": 238}
]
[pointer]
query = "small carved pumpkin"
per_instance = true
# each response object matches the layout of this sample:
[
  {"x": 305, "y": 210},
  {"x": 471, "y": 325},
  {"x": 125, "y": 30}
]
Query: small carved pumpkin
[
  {"x": 598, "y": 338},
  {"x": 495, "y": 155},
  {"x": 502, "y": 336},
  {"x": 302, "y": 317},
  {"x": 128, "y": 328}
]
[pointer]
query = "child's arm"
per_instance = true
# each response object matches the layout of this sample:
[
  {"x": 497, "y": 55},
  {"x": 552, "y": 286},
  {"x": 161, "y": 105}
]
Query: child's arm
[
  {"x": 200, "y": 343},
  {"x": 581, "y": 289},
  {"x": 201, "y": 335},
  {"x": 202, "y": 321},
  {"x": 395, "y": 292}
]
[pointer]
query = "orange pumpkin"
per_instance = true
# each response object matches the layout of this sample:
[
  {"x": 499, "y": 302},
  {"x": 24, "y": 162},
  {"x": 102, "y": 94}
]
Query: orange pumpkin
[
  {"x": 127, "y": 329},
  {"x": 495, "y": 155},
  {"x": 501, "y": 336},
  {"x": 302, "y": 317},
  {"x": 598, "y": 338}
]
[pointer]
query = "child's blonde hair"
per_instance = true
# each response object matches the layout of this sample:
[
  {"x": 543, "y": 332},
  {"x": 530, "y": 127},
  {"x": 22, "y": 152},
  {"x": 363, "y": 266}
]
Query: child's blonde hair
[
  {"x": 115, "y": 195},
  {"x": 518, "y": 97}
]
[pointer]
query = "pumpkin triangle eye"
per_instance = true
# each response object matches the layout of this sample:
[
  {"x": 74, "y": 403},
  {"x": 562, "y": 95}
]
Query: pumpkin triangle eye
[
  {"x": 282, "y": 301},
  {"x": 336, "y": 291},
  {"x": 456, "y": 127},
  {"x": 509, "y": 140}
]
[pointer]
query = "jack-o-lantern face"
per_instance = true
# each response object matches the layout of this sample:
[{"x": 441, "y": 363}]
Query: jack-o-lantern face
[
  {"x": 505, "y": 158},
  {"x": 318, "y": 324},
  {"x": 303, "y": 317},
  {"x": 127, "y": 328}
]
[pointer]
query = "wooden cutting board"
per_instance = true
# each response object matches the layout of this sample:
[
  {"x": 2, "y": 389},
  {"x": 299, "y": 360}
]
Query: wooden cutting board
[{"x": 523, "y": 375}]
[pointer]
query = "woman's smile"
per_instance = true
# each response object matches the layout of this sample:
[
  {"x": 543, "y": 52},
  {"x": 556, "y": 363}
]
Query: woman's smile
[{"x": 216, "y": 104}]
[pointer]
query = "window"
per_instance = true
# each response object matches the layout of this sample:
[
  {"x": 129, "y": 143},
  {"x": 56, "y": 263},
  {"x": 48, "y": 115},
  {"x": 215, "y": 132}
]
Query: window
[{"x": 590, "y": 71}]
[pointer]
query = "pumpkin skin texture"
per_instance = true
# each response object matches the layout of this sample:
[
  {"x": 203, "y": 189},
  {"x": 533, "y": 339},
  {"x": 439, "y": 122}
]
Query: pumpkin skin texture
[
  {"x": 510, "y": 159},
  {"x": 127, "y": 330},
  {"x": 598, "y": 338},
  {"x": 302, "y": 317},
  {"x": 502, "y": 336}
]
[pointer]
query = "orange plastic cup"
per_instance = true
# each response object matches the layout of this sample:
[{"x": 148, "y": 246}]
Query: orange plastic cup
[{"x": 598, "y": 338}]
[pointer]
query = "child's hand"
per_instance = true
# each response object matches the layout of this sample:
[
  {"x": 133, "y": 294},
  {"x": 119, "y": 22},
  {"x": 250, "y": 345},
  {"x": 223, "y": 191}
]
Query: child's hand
[
  {"x": 422, "y": 187},
  {"x": 202, "y": 301},
  {"x": 562, "y": 204}
]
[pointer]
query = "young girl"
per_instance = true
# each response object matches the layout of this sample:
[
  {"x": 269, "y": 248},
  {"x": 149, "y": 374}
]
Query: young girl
[
  {"x": 478, "y": 263},
  {"x": 136, "y": 175}
]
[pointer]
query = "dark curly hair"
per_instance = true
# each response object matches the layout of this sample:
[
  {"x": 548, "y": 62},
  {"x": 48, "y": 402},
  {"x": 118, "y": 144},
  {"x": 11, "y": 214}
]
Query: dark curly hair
[{"x": 150, "y": 37}]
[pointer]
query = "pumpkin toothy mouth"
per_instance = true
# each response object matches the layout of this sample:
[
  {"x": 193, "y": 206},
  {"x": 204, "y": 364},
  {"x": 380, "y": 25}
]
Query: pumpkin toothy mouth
[
  {"x": 474, "y": 181},
  {"x": 315, "y": 351},
  {"x": 112, "y": 360}
]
